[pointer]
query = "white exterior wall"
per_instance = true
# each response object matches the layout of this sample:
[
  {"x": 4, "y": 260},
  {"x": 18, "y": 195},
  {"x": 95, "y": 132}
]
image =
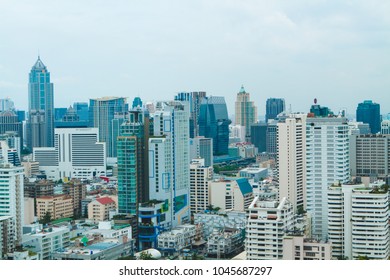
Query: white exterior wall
[
  {"x": 199, "y": 185},
  {"x": 12, "y": 191},
  {"x": 267, "y": 223},
  {"x": 77, "y": 154},
  {"x": 327, "y": 160},
  {"x": 291, "y": 159},
  {"x": 358, "y": 222}
]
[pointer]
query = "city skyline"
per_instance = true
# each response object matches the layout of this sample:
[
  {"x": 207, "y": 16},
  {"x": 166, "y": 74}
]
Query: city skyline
[{"x": 336, "y": 52}]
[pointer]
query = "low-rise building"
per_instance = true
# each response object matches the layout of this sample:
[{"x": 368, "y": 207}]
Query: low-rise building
[
  {"x": 59, "y": 206},
  {"x": 225, "y": 242},
  {"x": 99, "y": 209},
  {"x": 231, "y": 194},
  {"x": 47, "y": 241},
  {"x": 173, "y": 241},
  {"x": 255, "y": 173},
  {"x": 302, "y": 248}
]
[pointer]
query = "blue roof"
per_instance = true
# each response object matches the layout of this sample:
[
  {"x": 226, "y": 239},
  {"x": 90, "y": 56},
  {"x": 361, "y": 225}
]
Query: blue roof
[{"x": 244, "y": 186}]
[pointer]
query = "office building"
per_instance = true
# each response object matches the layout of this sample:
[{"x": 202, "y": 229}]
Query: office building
[
  {"x": 259, "y": 136},
  {"x": 6, "y": 104},
  {"x": 195, "y": 99},
  {"x": 327, "y": 161},
  {"x": 9, "y": 123},
  {"x": 369, "y": 112},
  {"x": 201, "y": 147},
  {"x": 214, "y": 123},
  {"x": 369, "y": 155},
  {"x": 169, "y": 171},
  {"x": 40, "y": 101},
  {"x": 101, "y": 114},
  {"x": 291, "y": 160},
  {"x": 385, "y": 127},
  {"x": 82, "y": 110},
  {"x": 133, "y": 162},
  {"x": 274, "y": 106},
  {"x": 246, "y": 112},
  {"x": 77, "y": 154}
]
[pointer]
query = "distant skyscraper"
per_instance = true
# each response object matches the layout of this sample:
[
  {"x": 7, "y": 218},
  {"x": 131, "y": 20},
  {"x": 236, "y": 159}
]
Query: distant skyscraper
[
  {"x": 36, "y": 129},
  {"x": 6, "y": 104},
  {"x": 274, "y": 106},
  {"x": 9, "y": 122},
  {"x": 201, "y": 147},
  {"x": 195, "y": 99},
  {"x": 214, "y": 123},
  {"x": 81, "y": 110},
  {"x": 259, "y": 136},
  {"x": 369, "y": 112},
  {"x": 137, "y": 102},
  {"x": 40, "y": 99},
  {"x": 59, "y": 113},
  {"x": 101, "y": 113},
  {"x": 246, "y": 112}
]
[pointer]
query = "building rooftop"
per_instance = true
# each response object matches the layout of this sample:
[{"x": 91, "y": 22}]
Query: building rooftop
[{"x": 105, "y": 200}]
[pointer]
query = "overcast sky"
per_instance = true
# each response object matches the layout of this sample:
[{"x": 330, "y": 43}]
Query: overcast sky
[{"x": 335, "y": 51}]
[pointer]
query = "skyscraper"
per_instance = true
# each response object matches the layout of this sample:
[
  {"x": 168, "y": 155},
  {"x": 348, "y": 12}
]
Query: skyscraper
[
  {"x": 133, "y": 166},
  {"x": 274, "y": 106},
  {"x": 327, "y": 162},
  {"x": 195, "y": 99},
  {"x": 40, "y": 99},
  {"x": 291, "y": 160},
  {"x": 9, "y": 122},
  {"x": 101, "y": 113},
  {"x": 169, "y": 161},
  {"x": 246, "y": 112},
  {"x": 214, "y": 123},
  {"x": 369, "y": 112}
]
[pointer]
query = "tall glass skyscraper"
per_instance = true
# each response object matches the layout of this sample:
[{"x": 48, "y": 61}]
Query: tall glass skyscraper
[
  {"x": 132, "y": 153},
  {"x": 214, "y": 123},
  {"x": 101, "y": 115},
  {"x": 274, "y": 106},
  {"x": 40, "y": 99},
  {"x": 246, "y": 112},
  {"x": 369, "y": 112}
]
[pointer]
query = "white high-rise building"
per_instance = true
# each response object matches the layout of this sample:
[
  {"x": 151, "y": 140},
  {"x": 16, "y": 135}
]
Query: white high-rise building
[
  {"x": 385, "y": 127},
  {"x": 291, "y": 159},
  {"x": 200, "y": 176},
  {"x": 268, "y": 222},
  {"x": 202, "y": 147},
  {"x": 12, "y": 195},
  {"x": 246, "y": 112},
  {"x": 358, "y": 221},
  {"x": 77, "y": 154},
  {"x": 327, "y": 161},
  {"x": 169, "y": 171}
]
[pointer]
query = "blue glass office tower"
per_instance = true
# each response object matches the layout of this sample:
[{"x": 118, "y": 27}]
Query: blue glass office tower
[
  {"x": 81, "y": 110},
  {"x": 274, "y": 106},
  {"x": 40, "y": 99},
  {"x": 214, "y": 123},
  {"x": 101, "y": 115},
  {"x": 369, "y": 112}
]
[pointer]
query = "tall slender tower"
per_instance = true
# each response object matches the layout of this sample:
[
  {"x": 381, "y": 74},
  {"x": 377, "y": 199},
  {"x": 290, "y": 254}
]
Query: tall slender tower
[
  {"x": 291, "y": 160},
  {"x": 246, "y": 112},
  {"x": 41, "y": 101}
]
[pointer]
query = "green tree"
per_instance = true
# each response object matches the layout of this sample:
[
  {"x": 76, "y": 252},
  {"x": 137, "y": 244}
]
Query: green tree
[
  {"x": 146, "y": 256},
  {"x": 46, "y": 219}
]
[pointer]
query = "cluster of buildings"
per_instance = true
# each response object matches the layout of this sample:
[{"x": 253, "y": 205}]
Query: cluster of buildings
[{"x": 108, "y": 180}]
